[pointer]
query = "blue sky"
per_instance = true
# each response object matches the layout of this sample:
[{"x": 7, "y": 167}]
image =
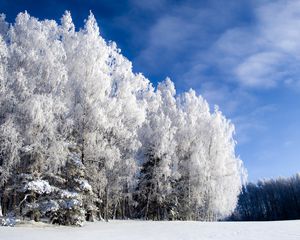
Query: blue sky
[{"x": 241, "y": 55}]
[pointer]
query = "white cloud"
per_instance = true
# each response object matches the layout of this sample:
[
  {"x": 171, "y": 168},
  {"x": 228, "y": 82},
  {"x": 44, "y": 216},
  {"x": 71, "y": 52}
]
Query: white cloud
[
  {"x": 266, "y": 53},
  {"x": 259, "y": 69},
  {"x": 279, "y": 24}
]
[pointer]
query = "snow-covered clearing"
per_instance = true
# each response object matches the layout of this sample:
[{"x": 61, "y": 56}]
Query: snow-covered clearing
[{"x": 143, "y": 230}]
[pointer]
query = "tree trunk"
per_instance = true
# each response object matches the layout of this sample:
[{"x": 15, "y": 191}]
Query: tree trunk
[
  {"x": 115, "y": 209},
  {"x": 5, "y": 202},
  {"x": 106, "y": 207},
  {"x": 189, "y": 198},
  {"x": 82, "y": 150},
  {"x": 1, "y": 215},
  {"x": 123, "y": 208},
  {"x": 147, "y": 206},
  {"x": 100, "y": 208},
  {"x": 15, "y": 202}
]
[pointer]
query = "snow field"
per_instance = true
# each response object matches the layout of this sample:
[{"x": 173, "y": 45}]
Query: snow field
[{"x": 146, "y": 230}]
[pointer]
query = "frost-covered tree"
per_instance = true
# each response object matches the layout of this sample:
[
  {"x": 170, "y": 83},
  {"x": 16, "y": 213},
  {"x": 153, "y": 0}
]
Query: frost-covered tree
[
  {"x": 207, "y": 164},
  {"x": 158, "y": 157},
  {"x": 225, "y": 168},
  {"x": 193, "y": 165},
  {"x": 36, "y": 76}
]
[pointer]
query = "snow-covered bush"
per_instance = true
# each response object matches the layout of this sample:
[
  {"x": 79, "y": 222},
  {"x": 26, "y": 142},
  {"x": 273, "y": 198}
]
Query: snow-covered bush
[
  {"x": 38, "y": 186},
  {"x": 8, "y": 221}
]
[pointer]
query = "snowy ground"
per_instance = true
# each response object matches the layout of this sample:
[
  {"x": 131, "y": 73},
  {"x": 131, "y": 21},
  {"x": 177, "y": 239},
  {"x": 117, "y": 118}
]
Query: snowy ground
[{"x": 143, "y": 230}]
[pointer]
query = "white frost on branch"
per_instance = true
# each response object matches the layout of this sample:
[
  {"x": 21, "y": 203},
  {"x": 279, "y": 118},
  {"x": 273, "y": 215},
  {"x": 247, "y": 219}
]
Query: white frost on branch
[{"x": 38, "y": 186}]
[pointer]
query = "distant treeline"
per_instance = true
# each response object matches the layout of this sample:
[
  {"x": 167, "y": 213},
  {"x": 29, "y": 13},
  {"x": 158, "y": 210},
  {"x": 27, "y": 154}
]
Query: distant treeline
[{"x": 275, "y": 199}]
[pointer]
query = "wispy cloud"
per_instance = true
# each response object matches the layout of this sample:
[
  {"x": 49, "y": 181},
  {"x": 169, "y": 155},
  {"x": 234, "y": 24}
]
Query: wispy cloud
[
  {"x": 259, "y": 70},
  {"x": 265, "y": 54}
]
